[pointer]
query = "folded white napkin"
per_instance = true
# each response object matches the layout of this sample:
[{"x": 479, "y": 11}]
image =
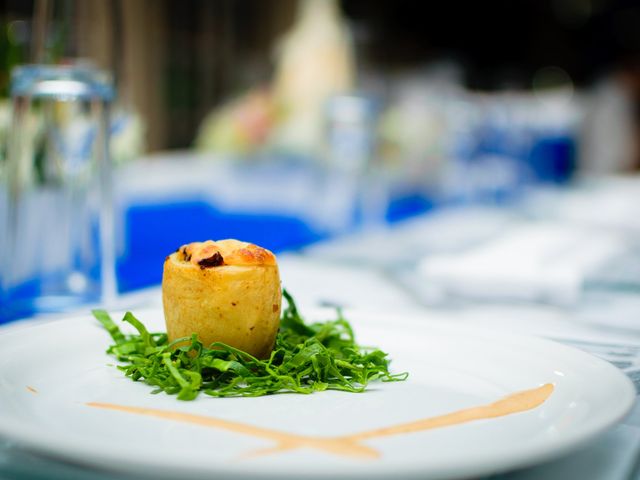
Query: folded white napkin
[{"x": 533, "y": 262}]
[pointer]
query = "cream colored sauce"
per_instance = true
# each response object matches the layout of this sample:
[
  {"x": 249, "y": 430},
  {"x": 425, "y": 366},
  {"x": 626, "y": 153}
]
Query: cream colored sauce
[
  {"x": 515, "y": 403},
  {"x": 350, "y": 445}
]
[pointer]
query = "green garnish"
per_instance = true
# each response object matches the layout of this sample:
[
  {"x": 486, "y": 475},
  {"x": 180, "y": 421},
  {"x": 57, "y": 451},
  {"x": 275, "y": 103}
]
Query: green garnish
[{"x": 306, "y": 358}]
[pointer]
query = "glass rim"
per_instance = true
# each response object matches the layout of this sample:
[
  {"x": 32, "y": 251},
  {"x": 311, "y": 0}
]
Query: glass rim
[{"x": 73, "y": 80}]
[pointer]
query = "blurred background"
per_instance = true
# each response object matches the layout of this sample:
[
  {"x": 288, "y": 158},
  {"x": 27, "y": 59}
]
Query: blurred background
[{"x": 296, "y": 124}]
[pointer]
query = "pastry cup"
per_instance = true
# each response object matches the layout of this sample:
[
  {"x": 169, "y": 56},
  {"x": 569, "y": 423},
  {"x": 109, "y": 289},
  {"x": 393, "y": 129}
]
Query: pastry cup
[{"x": 226, "y": 291}]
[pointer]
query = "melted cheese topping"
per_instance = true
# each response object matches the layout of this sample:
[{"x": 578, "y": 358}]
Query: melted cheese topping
[{"x": 233, "y": 252}]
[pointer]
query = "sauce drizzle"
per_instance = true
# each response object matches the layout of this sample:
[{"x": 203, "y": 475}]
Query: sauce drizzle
[{"x": 349, "y": 445}]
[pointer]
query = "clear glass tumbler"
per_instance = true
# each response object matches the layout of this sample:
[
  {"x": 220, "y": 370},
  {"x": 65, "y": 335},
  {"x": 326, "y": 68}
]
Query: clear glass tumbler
[{"x": 57, "y": 239}]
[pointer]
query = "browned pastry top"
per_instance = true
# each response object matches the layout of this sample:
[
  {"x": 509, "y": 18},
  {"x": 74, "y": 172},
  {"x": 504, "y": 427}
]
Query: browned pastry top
[{"x": 211, "y": 254}]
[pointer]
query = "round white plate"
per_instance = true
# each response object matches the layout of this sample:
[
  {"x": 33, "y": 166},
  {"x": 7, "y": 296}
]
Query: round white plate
[{"x": 49, "y": 373}]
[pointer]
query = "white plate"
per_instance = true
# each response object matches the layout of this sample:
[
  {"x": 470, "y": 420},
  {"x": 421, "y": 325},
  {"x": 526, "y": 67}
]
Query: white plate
[{"x": 50, "y": 372}]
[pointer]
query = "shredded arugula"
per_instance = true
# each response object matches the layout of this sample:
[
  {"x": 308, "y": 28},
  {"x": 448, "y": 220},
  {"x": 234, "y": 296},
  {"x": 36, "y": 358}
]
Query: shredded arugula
[{"x": 306, "y": 358}]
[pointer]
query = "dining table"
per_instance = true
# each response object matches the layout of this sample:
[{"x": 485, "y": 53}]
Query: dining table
[{"x": 393, "y": 268}]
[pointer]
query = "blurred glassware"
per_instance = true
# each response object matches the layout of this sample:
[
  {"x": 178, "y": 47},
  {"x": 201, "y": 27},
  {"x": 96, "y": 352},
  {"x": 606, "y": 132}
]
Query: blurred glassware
[
  {"x": 352, "y": 159},
  {"x": 57, "y": 236},
  {"x": 351, "y": 123},
  {"x": 468, "y": 146}
]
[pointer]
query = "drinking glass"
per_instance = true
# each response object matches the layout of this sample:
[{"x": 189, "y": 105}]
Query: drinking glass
[{"x": 57, "y": 238}]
